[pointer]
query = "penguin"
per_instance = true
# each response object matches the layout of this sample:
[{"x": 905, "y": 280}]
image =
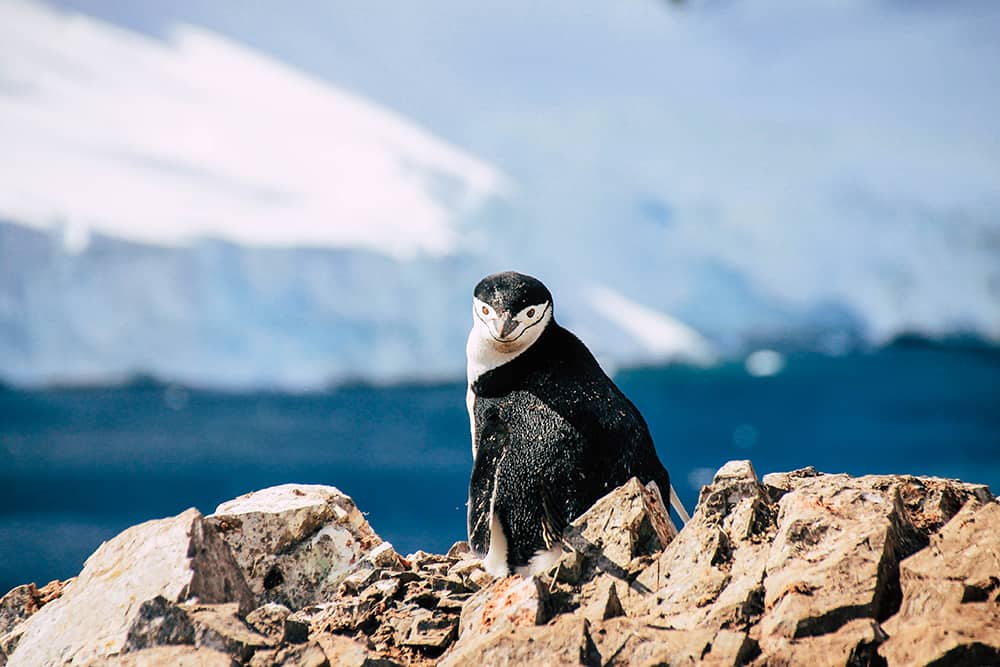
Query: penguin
[{"x": 551, "y": 432}]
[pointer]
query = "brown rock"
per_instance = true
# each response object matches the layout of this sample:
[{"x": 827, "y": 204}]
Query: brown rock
[
  {"x": 711, "y": 575},
  {"x": 269, "y": 620},
  {"x": 169, "y": 656},
  {"x": 599, "y": 600},
  {"x": 950, "y": 612},
  {"x": 512, "y": 602},
  {"x": 835, "y": 555},
  {"x": 219, "y": 627},
  {"x": 429, "y": 630},
  {"x": 342, "y": 651},
  {"x": 628, "y": 522},
  {"x": 566, "y": 641},
  {"x": 18, "y": 604},
  {"x": 854, "y": 643},
  {"x": 459, "y": 550},
  {"x": 302, "y": 655},
  {"x": 626, "y": 642}
]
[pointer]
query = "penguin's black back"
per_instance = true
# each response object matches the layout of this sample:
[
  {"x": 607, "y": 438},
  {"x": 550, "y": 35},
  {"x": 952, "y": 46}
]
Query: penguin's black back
[{"x": 554, "y": 434}]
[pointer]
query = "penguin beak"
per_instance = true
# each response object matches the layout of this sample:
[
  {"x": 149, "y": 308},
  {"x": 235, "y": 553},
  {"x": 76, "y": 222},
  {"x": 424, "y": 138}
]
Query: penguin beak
[{"x": 503, "y": 326}]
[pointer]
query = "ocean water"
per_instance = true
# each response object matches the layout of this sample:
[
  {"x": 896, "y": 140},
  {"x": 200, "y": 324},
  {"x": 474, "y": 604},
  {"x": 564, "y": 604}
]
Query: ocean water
[{"x": 79, "y": 465}]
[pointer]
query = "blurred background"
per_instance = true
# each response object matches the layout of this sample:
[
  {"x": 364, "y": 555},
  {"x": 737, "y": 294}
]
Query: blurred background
[{"x": 238, "y": 242}]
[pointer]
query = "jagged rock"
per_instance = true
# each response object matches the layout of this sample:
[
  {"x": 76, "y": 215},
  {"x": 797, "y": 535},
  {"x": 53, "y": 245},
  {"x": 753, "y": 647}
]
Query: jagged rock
[
  {"x": 628, "y": 522},
  {"x": 18, "y": 604},
  {"x": 219, "y": 627},
  {"x": 950, "y": 612},
  {"x": 346, "y": 652},
  {"x": 169, "y": 656},
  {"x": 159, "y": 623},
  {"x": 566, "y": 641},
  {"x": 801, "y": 568},
  {"x": 510, "y": 602},
  {"x": 296, "y": 542},
  {"x": 303, "y": 655},
  {"x": 428, "y": 630},
  {"x": 460, "y": 550},
  {"x": 854, "y": 643},
  {"x": 711, "y": 575},
  {"x": 269, "y": 620},
  {"x": 835, "y": 555},
  {"x": 626, "y": 642},
  {"x": 179, "y": 558},
  {"x": 599, "y": 600}
]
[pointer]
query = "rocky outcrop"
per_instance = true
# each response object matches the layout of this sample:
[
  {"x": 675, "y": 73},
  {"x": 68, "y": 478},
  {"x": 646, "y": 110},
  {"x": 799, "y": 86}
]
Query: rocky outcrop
[
  {"x": 295, "y": 542},
  {"x": 797, "y": 568}
]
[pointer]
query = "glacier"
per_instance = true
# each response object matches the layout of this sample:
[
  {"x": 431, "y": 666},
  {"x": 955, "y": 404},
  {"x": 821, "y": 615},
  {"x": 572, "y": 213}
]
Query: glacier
[{"x": 183, "y": 204}]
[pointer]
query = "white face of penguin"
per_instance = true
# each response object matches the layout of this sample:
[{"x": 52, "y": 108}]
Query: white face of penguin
[{"x": 510, "y": 333}]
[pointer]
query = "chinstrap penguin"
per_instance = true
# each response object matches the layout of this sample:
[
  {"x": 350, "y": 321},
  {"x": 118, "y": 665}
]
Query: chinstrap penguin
[{"x": 551, "y": 433}]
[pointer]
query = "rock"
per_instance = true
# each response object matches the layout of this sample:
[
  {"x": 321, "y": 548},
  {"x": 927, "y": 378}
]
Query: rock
[
  {"x": 601, "y": 601},
  {"x": 712, "y": 574},
  {"x": 460, "y": 550},
  {"x": 296, "y": 542},
  {"x": 343, "y": 651},
  {"x": 304, "y": 655},
  {"x": 269, "y": 620},
  {"x": 428, "y": 630},
  {"x": 950, "y": 611},
  {"x": 625, "y": 642},
  {"x": 854, "y": 643},
  {"x": 159, "y": 623},
  {"x": 510, "y": 603},
  {"x": 566, "y": 641},
  {"x": 178, "y": 559},
  {"x": 218, "y": 626},
  {"x": 346, "y": 652},
  {"x": 802, "y": 568},
  {"x": 835, "y": 555},
  {"x": 18, "y": 604},
  {"x": 628, "y": 522},
  {"x": 169, "y": 656}
]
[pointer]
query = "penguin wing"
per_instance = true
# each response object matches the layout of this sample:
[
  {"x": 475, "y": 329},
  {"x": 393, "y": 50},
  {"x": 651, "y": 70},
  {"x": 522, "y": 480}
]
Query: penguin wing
[
  {"x": 483, "y": 483},
  {"x": 554, "y": 519}
]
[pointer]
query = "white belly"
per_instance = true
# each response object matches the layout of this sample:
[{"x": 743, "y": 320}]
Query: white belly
[{"x": 470, "y": 403}]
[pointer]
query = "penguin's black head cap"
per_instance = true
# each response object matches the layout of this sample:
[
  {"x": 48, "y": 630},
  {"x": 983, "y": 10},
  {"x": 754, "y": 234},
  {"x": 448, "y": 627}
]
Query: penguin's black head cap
[
  {"x": 511, "y": 310},
  {"x": 511, "y": 292}
]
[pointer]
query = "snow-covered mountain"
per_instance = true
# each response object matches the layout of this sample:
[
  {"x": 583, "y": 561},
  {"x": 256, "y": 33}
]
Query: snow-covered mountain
[{"x": 186, "y": 205}]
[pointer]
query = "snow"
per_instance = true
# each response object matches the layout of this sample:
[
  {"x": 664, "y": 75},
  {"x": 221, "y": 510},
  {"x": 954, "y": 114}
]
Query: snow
[
  {"x": 662, "y": 337},
  {"x": 198, "y": 136}
]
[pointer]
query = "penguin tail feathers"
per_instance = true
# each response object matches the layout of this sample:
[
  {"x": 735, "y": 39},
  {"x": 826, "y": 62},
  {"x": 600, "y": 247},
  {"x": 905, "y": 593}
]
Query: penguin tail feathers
[{"x": 678, "y": 506}]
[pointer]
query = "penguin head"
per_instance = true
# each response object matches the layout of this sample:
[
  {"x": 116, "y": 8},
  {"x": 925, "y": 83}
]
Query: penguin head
[{"x": 510, "y": 310}]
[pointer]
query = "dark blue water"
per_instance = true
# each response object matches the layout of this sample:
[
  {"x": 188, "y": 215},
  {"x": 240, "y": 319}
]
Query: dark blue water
[{"x": 79, "y": 465}]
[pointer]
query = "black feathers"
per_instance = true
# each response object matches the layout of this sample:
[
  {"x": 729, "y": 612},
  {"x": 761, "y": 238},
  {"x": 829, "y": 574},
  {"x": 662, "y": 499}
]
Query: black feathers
[{"x": 510, "y": 292}]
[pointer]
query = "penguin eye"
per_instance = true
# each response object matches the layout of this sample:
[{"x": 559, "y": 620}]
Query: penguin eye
[
  {"x": 531, "y": 312},
  {"x": 486, "y": 310}
]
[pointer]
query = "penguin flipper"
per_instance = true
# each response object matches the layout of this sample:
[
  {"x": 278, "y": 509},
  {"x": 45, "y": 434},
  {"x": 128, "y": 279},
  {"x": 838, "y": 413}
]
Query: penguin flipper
[{"x": 553, "y": 521}]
